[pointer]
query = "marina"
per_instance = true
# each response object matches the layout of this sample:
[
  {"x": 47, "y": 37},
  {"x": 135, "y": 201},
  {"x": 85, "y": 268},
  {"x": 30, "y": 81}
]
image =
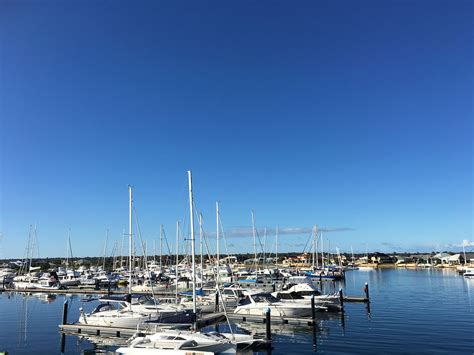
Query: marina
[
  {"x": 399, "y": 300},
  {"x": 236, "y": 177}
]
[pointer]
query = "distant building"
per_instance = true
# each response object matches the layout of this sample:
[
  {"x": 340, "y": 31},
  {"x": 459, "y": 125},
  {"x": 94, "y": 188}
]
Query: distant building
[{"x": 381, "y": 258}]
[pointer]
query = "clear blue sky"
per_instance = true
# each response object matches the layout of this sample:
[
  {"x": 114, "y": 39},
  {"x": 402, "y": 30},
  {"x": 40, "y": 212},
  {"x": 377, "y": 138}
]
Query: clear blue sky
[{"x": 343, "y": 114}]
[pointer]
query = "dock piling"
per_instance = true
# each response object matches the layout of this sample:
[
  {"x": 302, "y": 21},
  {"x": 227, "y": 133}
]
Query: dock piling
[
  {"x": 217, "y": 302},
  {"x": 65, "y": 305},
  {"x": 268, "y": 326},
  {"x": 341, "y": 299},
  {"x": 313, "y": 310},
  {"x": 366, "y": 291}
]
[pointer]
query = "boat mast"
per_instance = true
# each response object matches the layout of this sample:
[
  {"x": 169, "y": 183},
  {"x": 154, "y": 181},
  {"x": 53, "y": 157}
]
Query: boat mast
[
  {"x": 322, "y": 250},
  {"x": 130, "y": 241},
  {"x": 121, "y": 250},
  {"x": 314, "y": 245},
  {"x": 177, "y": 254},
  {"x": 191, "y": 222},
  {"x": 67, "y": 249},
  {"x": 264, "y": 244},
  {"x": 254, "y": 240},
  {"x": 105, "y": 248},
  {"x": 316, "y": 241},
  {"x": 200, "y": 246},
  {"x": 276, "y": 247},
  {"x": 161, "y": 246},
  {"x": 217, "y": 235}
]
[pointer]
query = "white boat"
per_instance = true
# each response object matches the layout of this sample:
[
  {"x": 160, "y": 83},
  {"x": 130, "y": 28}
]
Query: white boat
[
  {"x": 321, "y": 302},
  {"x": 112, "y": 315},
  {"x": 257, "y": 304},
  {"x": 179, "y": 340},
  {"x": 204, "y": 303},
  {"x": 232, "y": 295},
  {"x": 22, "y": 282},
  {"x": 469, "y": 273},
  {"x": 144, "y": 351},
  {"x": 122, "y": 312},
  {"x": 303, "y": 285},
  {"x": 6, "y": 275}
]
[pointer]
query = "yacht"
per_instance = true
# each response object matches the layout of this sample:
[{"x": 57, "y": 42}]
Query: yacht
[
  {"x": 257, "y": 304},
  {"x": 179, "y": 340},
  {"x": 123, "y": 312},
  {"x": 321, "y": 302}
]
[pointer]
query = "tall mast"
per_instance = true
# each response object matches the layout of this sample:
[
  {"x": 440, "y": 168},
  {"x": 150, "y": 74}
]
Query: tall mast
[
  {"x": 121, "y": 249},
  {"x": 27, "y": 263},
  {"x": 130, "y": 240},
  {"x": 316, "y": 241},
  {"x": 322, "y": 250},
  {"x": 200, "y": 246},
  {"x": 276, "y": 246},
  {"x": 217, "y": 235},
  {"x": 161, "y": 246},
  {"x": 464, "y": 253},
  {"x": 191, "y": 222},
  {"x": 67, "y": 249},
  {"x": 264, "y": 243},
  {"x": 314, "y": 246},
  {"x": 254, "y": 238},
  {"x": 105, "y": 248},
  {"x": 177, "y": 254}
]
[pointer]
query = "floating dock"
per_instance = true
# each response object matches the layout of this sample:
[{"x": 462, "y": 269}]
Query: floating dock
[{"x": 78, "y": 328}]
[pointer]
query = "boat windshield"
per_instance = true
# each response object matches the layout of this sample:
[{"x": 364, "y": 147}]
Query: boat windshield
[
  {"x": 104, "y": 307},
  {"x": 147, "y": 301},
  {"x": 264, "y": 297}
]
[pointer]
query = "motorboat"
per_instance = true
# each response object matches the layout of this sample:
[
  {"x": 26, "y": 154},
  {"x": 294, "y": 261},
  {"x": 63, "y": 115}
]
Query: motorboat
[
  {"x": 303, "y": 285},
  {"x": 321, "y": 302},
  {"x": 122, "y": 312},
  {"x": 171, "y": 339},
  {"x": 469, "y": 273},
  {"x": 258, "y": 303}
]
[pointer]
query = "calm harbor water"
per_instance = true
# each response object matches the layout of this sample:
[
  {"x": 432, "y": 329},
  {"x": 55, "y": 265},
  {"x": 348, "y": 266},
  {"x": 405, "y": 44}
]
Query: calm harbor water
[{"x": 411, "y": 311}]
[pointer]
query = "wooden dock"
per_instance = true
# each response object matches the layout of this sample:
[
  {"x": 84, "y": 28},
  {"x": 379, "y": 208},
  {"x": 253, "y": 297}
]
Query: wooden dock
[
  {"x": 273, "y": 320},
  {"x": 356, "y": 299},
  {"x": 149, "y": 328}
]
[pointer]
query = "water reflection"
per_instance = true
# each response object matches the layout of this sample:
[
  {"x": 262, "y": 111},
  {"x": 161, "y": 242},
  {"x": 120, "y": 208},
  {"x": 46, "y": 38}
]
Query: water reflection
[{"x": 400, "y": 312}]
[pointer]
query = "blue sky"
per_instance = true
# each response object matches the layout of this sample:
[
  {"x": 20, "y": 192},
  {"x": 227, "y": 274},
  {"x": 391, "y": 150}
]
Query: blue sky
[{"x": 340, "y": 114}]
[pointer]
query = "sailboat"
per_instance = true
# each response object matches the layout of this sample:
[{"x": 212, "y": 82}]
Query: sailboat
[
  {"x": 122, "y": 312},
  {"x": 352, "y": 265},
  {"x": 181, "y": 339}
]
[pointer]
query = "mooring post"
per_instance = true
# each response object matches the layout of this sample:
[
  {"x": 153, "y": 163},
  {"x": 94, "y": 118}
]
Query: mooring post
[
  {"x": 65, "y": 312},
  {"x": 217, "y": 302},
  {"x": 366, "y": 290},
  {"x": 268, "y": 329},
  {"x": 341, "y": 299},
  {"x": 313, "y": 310}
]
